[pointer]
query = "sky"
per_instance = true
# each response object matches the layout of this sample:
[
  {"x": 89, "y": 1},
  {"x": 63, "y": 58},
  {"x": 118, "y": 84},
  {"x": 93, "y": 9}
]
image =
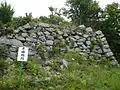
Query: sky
[{"x": 40, "y": 7}]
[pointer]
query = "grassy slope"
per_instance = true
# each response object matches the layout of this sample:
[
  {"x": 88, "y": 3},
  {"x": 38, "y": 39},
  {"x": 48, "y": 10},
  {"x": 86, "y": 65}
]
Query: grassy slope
[{"x": 79, "y": 75}]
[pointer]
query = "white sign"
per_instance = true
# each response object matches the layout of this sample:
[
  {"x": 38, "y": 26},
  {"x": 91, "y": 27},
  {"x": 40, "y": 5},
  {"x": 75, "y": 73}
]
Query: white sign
[{"x": 22, "y": 54}]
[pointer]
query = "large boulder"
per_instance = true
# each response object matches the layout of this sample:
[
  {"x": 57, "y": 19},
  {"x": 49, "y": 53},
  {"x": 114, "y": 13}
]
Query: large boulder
[{"x": 15, "y": 42}]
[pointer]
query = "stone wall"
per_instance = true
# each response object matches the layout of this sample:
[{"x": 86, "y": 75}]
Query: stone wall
[{"x": 80, "y": 39}]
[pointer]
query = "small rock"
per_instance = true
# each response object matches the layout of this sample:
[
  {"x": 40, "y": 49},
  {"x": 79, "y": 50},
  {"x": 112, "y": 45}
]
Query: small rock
[
  {"x": 20, "y": 38},
  {"x": 46, "y": 33},
  {"x": 44, "y": 25},
  {"x": 49, "y": 42},
  {"x": 13, "y": 55},
  {"x": 15, "y": 42},
  {"x": 24, "y": 34},
  {"x": 109, "y": 54},
  {"x": 89, "y": 30},
  {"x": 16, "y": 31},
  {"x": 82, "y": 27},
  {"x": 64, "y": 64},
  {"x": 60, "y": 32},
  {"x": 88, "y": 42},
  {"x": 77, "y": 37},
  {"x": 27, "y": 26},
  {"x": 98, "y": 32}
]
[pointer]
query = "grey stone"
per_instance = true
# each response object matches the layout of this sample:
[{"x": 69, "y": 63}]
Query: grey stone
[
  {"x": 73, "y": 32},
  {"x": 20, "y": 38},
  {"x": 101, "y": 36},
  {"x": 71, "y": 38},
  {"x": 22, "y": 29},
  {"x": 5, "y": 41},
  {"x": 109, "y": 54},
  {"x": 63, "y": 49},
  {"x": 105, "y": 42},
  {"x": 44, "y": 25},
  {"x": 77, "y": 49},
  {"x": 27, "y": 44},
  {"x": 105, "y": 50},
  {"x": 9, "y": 36},
  {"x": 81, "y": 40},
  {"x": 49, "y": 42},
  {"x": 11, "y": 60},
  {"x": 47, "y": 48},
  {"x": 88, "y": 42},
  {"x": 75, "y": 44},
  {"x": 27, "y": 26},
  {"x": 40, "y": 34},
  {"x": 93, "y": 39},
  {"x": 114, "y": 62},
  {"x": 103, "y": 39},
  {"x": 89, "y": 30},
  {"x": 77, "y": 37},
  {"x": 84, "y": 46},
  {"x": 98, "y": 32},
  {"x": 60, "y": 32},
  {"x": 79, "y": 33},
  {"x": 15, "y": 42},
  {"x": 106, "y": 46},
  {"x": 82, "y": 27},
  {"x": 60, "y": 37},
  {"x": 13, "y": 49},
  {"x": 79, "y": 43},
  {"x": 65, "y": 35},
  {"x": 42, "y": 38},
  {"x": 31, "y": 53},
  {"x": 96, "y": 47},
  {"x": 13, "y": 55},
  {"x": 64, "y": 64},
  {"x": 24, "y": 35},
  {"x": 29, "y": 39},
  {"x": 85, "y": 35},
  {"x": 99, "y": 51},
  {"x": 50, "y": 38},
  {"x": 53, "y": 34},
  {"x": 33, "y": 35},
  {"x": 119, "y": 34},
  {"x": 46, "y": 33},
  {"x": 16, "y": 31}
]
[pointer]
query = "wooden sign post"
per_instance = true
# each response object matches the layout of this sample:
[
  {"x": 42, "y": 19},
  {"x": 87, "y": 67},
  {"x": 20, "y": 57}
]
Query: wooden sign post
[{"x": 22, "y": 57}]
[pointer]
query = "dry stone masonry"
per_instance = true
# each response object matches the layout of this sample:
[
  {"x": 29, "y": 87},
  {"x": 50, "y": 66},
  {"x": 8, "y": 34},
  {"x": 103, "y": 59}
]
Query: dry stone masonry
[{"x": 80, "y": 39}]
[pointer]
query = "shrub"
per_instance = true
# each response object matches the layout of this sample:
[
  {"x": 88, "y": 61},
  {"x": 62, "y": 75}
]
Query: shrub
[
  {"x": 3, "y": 57},
  {"x": 41, "y": 49},
  {"x": 6, "y": 12},
  {"x": 3, "y": 52}
]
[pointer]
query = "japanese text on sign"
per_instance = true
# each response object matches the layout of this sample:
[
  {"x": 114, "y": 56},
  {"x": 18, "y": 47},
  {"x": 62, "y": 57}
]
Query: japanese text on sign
[{"x": 22, "y": 54}]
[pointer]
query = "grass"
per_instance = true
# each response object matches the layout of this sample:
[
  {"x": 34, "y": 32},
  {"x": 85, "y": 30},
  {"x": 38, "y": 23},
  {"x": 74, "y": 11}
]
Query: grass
[{"x": 78, "y": 75}]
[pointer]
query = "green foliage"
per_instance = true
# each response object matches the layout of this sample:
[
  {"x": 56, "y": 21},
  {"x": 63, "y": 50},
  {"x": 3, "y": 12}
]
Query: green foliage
[
  {"x": 18, "y": 21},
  {"x": 3, "y": 57},
  {"x": 44, "y": 19},
  {"x": 111, "y": 26},
  {"x": 6, "y": 12},
  {"x": 57, "y": 47},
  {"x": 83, "y": 12},
  {"x": 78, "y": 74},
  {"x": 3, "y": 52},
  {"x": 56, "y": 19},
  {"x": 41, "y": 49},
  {"x": 1, "y": 25}
]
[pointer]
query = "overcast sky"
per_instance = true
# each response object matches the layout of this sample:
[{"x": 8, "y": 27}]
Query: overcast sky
[{"x": 40, "y": 7}]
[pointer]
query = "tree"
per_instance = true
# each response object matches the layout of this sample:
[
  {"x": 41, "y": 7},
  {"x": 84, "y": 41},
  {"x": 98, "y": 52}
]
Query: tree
[
  {"x": 6, "y": 12},
  {"x": 111, "y": 27},
  {"x": 55, "y": 16},
  {"x": 83, "y": 11}
]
